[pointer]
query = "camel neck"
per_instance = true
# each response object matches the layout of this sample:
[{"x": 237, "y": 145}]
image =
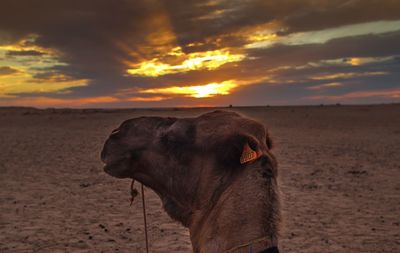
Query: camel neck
[
  {"x": 233, "y": 237},
  {"x": 242, "y": 214}
]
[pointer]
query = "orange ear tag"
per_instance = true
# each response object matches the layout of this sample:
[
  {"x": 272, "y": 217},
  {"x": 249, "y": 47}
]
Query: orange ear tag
[{"x": 248, "y": 154}]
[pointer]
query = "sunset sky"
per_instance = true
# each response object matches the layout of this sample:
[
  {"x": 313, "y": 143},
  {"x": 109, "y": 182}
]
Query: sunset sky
[{"x": 153, "y": 53}]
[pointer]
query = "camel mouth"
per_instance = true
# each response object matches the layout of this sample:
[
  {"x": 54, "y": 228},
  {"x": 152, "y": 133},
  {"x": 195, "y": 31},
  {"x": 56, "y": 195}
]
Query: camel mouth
[{"x": 117, "y": 169}]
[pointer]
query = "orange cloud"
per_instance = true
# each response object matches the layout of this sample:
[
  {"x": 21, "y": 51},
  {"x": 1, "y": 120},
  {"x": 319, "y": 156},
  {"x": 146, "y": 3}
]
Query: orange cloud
[
  {"x": 49, "y": 102},
  {"x": 325, "y": 85},
  {"x": 193, "y": 61},
  {"x": 147, "y": 99},
  {"x": 27, "y": 44},
  {"x": 348, "y": 75}
]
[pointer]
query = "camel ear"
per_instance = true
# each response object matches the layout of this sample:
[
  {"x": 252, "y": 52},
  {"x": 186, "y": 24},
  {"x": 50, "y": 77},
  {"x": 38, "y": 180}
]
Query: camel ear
[
  {"x": 248, "y": 154},
  {"x": 237, "y": 150}
]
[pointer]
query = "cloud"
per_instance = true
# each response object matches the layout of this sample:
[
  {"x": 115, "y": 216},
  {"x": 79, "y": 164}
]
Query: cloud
[
  {"x": 358, "y": 46},
  {"x": 326, "y": 14},
  {"x": 388, "y": 93},
  {"x": 324, "y": 86},
  {"x": 193, "y": 61},
  {"x": 347, "y": 75},
  {"x": 293, "y": 16},
  {"x": 5, "y": 70},
  {"x": 41, "y": 101},
  {"x": 24, "y": 53},
  {"x": 323, "y": 36}
]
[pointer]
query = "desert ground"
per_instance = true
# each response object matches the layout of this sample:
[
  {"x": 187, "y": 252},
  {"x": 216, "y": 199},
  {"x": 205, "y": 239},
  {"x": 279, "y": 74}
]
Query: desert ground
[{"x": 339, "y": 172}]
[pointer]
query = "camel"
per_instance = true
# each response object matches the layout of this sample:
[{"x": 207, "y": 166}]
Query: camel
[{"x": 215, "y": 174}]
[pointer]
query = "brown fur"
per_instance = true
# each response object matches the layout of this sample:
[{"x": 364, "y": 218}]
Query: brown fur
[{"x": 193, "y": 164}]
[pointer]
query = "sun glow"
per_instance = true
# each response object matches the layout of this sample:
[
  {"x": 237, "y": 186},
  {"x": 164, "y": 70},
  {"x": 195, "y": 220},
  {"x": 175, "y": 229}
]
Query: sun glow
[
  {"x": 193, "y": 61},
  {"x": 198, "y": 91},
  {"x": 355, "y": 61}
]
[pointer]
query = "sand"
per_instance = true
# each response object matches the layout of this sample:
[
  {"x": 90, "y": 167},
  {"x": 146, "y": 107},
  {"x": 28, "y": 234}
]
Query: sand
[{"x": 339, "y": 175}]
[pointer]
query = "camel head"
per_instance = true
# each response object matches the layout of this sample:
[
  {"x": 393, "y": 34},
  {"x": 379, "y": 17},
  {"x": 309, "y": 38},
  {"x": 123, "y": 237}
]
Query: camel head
[{"x": 215, "y": 173}]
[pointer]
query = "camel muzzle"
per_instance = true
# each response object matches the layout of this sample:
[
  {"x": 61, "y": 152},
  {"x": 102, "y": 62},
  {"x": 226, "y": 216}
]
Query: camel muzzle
[{"x": 116, "y": 164}]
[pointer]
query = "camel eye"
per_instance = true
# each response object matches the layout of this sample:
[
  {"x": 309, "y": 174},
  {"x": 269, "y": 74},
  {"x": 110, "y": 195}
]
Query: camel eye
[{"x": 115, "y": 132}]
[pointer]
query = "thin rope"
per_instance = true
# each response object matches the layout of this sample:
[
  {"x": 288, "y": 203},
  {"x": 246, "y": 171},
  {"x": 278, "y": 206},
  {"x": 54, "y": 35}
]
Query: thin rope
[{"x": 145, "y": 220}]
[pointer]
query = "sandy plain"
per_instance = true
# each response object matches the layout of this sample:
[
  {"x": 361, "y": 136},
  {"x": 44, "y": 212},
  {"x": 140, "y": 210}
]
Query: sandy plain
[{"x": 339, "y": 175}]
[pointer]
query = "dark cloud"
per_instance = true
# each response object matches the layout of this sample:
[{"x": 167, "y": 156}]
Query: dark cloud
[
  {"x": 85, "y": 32},
  {"x": 24, "y": 53},
  {"x": 327, "y": 14},
  {"x": 294, "y": 15},
  {"x": 359, "y": 46},
  {"x": 5, "y": 70}
]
